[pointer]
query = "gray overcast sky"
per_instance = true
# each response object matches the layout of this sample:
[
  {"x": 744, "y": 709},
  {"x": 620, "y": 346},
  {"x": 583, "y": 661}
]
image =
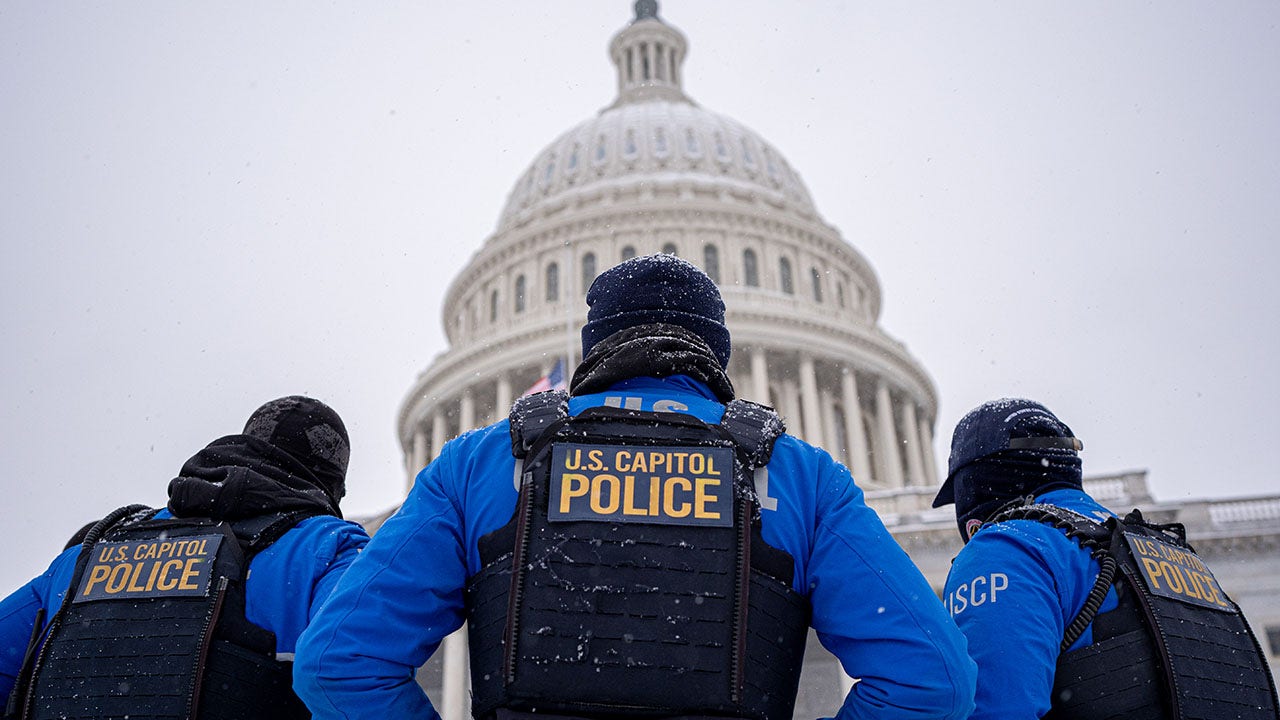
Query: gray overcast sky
[{"x": 206, "y": 205}]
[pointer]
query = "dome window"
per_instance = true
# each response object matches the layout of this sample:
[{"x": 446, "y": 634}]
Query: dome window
[
  {"x": 601, "y": 152},
  {"x": 750, "y": 268},
  {"x": 784, "y": 276},
  {"x": 840, "y": 294},
  {"x": 572, "y": 165},
  {"x": 549, "y": 173},
  {"x": 722, "y": 150},
  {"x": 669, "y": 249},
  {"x": 629, "y": 148},
  {"x": 520, "y": 291},
  {"x": 817, "y": 284},
  {"x": 493, "y": 306},
  {"x": 691, "y": 145},
  {"x": 771, "y": 168},
  {"x": 748, "y": 159},
  {"x": 628, "y": 252},
  {"x": 553, "y": 282},
  {"x": 660, "y": 142},
  {"x": 711, "y": 262},
  {"x": 588, "y": 270}
]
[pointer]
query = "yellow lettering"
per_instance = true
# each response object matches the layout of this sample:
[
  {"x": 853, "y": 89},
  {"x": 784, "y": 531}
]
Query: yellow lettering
[
  {"x": 121, "y": 553},
  {"x": 711, "y": 466},
  {"x": 166, "y": 581},
  {"x": 678, "y": 465},
  {"x": 96, "y": 575},
  {"x": 701, "y": 497},
  {"x": 657, "y": 460},
  {"x": 104, "y": 555},
  {"x": 669, "y": 497},
  {"x": 133, "y": 578},
  {"x": 1172, "y": 577},
  {"x": 188, "y": 572},
  {"x": 166, "y": 548},
  {"x": 601, "y": 504},
  {"x": 639, "y": 464},
  {"x": 655, "y": 494},
  {"x": 596, "y": 459},
  {"x": 697, "y": 463},
  {"x": 1153, "y": 571},
  {"x": 568, "y": 491},
  {"x": 629, "y": 493},
  {"x": 151, "y": 579},
  {"x": 621, "y": 461},
  {"x": 573, "y": 460},
  {"x": 118, "y": 579}
]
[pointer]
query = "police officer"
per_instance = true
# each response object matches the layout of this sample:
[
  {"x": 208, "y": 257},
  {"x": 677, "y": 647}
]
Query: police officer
[
  {"x": 1072, "y": 612},
  {"x": 193, "y": 609},
  {"x": 644, "y": 547}
]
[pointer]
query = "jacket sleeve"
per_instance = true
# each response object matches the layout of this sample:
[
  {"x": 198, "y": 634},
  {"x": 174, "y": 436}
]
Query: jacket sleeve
[
  {"x": 874, "y": 610},
  {"x": 1003, "y": 595},
  {"x": 18, "y": 615},
  {"x": 390, "y": 610}
]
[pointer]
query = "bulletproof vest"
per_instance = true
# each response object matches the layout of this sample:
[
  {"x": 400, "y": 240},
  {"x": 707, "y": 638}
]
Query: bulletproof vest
[
  {"x": 632, "y": 580},
  {"x": 1176, "y": 647},
  {"x": 153, "y": 626}
]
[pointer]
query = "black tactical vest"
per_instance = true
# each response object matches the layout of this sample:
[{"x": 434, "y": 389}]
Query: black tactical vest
[
  {"x": 1176, "y": 647},
  {"x": 153, "y": 627},
  {"x": 641, "y": 584}
]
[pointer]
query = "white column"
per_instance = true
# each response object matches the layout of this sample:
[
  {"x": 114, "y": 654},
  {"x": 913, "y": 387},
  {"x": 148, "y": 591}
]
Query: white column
[
  {"x": 502, "y": 406},
  {"x": 419, "y": 453},
  {"x": 759, "y": 376},
  {"x": 888, "y": 437},
  {"x": 653, "y": 61},
  {"x": 466, "y": 412},
  {"x": 859, "y": 459},
  {"x": 809, "y": 394},
  {"x": 915, "y": 464},
  {"x": 926, "y": 451},
  {"x": 455, "y": 682},
  {"x": 437, "y": 434},
  {"x": 831, "y": 439},
  {"x": 791, "y": 408}
]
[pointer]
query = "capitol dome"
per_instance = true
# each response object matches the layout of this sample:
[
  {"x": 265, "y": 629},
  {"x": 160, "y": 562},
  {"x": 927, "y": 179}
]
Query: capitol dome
[{"x": 655, "y": 172}]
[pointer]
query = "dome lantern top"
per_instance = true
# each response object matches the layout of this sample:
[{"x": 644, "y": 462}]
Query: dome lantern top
[{"x": 648, "y": 54}]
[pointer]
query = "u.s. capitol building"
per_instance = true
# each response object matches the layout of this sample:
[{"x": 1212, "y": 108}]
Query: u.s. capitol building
[{"x": 656, "y": 172}]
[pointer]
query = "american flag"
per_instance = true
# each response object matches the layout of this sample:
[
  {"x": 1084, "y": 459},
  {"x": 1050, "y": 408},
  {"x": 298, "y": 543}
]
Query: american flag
[{"x": 553, "y": 380}]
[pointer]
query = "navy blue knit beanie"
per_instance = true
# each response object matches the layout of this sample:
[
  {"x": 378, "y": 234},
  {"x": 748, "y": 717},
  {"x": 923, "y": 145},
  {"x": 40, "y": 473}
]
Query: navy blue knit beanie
[{"x": 656, "y": 289}]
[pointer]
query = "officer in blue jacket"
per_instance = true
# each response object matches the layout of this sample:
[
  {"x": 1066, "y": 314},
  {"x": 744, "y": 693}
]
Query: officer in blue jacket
[
  {"x": 1057, "y": 598},
  {"x": 156, "y": 613},
  {"x": 644, "y": 547}
]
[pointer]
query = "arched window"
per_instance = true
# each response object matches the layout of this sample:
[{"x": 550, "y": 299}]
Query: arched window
[
  {"x": 750, "y": 270},
  {"x": 840, "y": 294},
  {"x": 628, "y": 252},
  {"x": 493, "y": 306},
  {"x": 588, "y": 270},
  {"x": 553, "y": 282},
  {"x": 629, "y": 147},
  {"x": 711, "y": 262},
  {"x": 669, "y": 249},
  {"x": 817, "y": 284},
  {"x": 784, "y": 276},
  {"x": 520, "y": 290}
]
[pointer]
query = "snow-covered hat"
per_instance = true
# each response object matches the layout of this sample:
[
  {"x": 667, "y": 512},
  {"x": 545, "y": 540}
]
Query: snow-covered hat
[{"x": 656, "y": 289}]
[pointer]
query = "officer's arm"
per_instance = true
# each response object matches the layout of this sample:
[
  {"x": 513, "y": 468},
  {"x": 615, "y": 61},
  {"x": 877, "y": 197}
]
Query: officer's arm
[
  {"x": 874, "y": 611},
  {"x": 388, "y": 613},
  {"x": 1003, "y": 595},
  {"x": 18, "y": 615}
]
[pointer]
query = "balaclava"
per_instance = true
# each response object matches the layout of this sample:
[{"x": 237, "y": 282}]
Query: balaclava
[{"x": 1003, "y": 451}]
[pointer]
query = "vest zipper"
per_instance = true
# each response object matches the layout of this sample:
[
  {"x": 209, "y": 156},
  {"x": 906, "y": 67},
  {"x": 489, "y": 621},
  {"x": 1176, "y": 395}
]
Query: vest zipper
[
  {"x": 517, "y": 574},
  {"x": 206, "y": 637}
]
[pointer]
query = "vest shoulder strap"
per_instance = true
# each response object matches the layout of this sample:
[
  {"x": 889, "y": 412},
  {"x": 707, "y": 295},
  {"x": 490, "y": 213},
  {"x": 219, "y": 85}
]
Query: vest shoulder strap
[
  {"x": 754, "y": 428},
  {"x": 531, "y": 415},
  {"x": 257, "y": 533}
]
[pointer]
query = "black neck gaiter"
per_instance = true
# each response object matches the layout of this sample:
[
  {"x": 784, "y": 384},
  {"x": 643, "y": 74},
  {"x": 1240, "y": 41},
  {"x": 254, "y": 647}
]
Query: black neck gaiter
[
  {"x": 987, "y": 484},
  {"x": 651, "y": 350}
]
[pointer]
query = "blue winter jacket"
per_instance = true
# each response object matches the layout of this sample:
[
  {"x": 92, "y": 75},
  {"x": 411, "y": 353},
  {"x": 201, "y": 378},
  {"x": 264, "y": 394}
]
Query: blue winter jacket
[
  {"x": 287, "y": 582},
  {"x": 871, "y": 607},
  {"x": 1012, "y": 590}
]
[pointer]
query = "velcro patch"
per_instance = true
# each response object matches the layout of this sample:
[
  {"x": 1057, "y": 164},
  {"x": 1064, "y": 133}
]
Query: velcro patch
[
  {"x": 627, "y": 484},
  {"x": 1176, "y": 573},
  {"x": 178, "y": 567}
]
